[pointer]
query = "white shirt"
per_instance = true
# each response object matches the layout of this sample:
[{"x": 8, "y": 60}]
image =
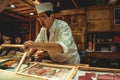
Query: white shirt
[{"x": 60, "y": 33}]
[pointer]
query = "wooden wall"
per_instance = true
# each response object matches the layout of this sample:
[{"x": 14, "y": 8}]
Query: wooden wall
[{"x": 88, "y": 19}]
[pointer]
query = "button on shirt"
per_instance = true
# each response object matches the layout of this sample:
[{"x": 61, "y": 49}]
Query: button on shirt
[{"x": 60, "y": 33}]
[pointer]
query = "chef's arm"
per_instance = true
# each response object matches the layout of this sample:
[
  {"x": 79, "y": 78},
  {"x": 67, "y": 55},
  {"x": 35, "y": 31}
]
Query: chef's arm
[
  {"x": 31, "y": 52},
  {"x": 50, "y": 47}
]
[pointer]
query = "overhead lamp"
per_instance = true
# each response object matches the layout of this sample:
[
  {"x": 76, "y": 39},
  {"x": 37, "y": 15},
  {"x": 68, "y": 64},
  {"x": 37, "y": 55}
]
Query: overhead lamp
[
  {"x": 12, "y": 6},
  {"x": 31, "y": 13}
]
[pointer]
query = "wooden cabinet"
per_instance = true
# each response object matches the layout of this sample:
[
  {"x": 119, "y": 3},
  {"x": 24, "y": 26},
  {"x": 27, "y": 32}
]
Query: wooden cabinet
[
  {"x": 104, "y": 59},
  {"x": 98, "y": 19},
  {"x": 102, "y": 37},
  {"x": 115, "y": 27}
]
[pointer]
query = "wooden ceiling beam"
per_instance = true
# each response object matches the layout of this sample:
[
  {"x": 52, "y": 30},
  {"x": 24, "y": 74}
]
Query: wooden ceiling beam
[
  {"x": 29, "y": 3},
  {"x": 22, "y": 10},
  {"x": 12, "y": 14}
]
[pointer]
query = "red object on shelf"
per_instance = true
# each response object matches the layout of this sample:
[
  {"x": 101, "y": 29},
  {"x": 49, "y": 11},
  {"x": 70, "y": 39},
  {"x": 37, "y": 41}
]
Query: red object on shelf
[
  {"x": 116, "y": 39},
  {"x": 90, "y": 45}
]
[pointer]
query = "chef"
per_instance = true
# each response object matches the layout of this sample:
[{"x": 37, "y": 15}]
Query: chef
[{"x": 55, "y": 37}]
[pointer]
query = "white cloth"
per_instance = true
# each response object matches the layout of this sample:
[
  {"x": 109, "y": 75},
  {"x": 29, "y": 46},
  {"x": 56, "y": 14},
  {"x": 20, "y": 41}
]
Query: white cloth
[{"x": 60, "y": 33}]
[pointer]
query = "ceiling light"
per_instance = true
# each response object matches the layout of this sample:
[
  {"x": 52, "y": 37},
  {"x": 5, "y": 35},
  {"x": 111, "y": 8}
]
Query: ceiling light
[
  {"x": 12, "y": 6},
  {"x": 31, "y": 13}
]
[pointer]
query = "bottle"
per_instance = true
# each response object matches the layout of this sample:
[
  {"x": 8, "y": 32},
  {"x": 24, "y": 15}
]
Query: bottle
[{"x": 90, "y": 45}]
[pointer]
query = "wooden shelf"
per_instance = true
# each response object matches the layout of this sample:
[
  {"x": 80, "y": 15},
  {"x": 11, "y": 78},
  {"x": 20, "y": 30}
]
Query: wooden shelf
[{"x": 107, "y": 55}]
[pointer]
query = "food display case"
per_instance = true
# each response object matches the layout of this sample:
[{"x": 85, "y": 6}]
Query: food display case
[
  {"x": 95, "y": 73},
  {"x": 47, "y": 71},
  {"x": 10, "y": 50},
  {"x": 10, "y": 55}
]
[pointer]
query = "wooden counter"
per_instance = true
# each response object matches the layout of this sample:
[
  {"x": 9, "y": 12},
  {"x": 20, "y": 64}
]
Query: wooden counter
[
  {"x": 8, "y": 75},
  {"x": 106, "y": 55}
]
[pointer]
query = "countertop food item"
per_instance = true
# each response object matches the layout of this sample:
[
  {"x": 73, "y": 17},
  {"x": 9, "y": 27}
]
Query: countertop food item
[
  {"x": 90, "y": 74},
  {"x": 41, "y": 71},
  {"x": 49, "y": 73},
  {"x": 84, "y": 78},
  {"x": 33, "y": 69},
  {"x": 108, "y": 77}
]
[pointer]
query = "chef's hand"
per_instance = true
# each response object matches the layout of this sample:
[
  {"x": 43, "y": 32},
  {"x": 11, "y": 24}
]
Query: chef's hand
[{"x": 28, "y": 44}]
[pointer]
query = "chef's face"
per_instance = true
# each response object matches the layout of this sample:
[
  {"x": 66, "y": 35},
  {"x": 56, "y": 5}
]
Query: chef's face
[{"x": 46, "y": 21}]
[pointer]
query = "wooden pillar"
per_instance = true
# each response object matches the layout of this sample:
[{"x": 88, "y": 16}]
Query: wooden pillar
[
  {"x": 30, "y": 28},
  {"x": 37, "y": 29}
]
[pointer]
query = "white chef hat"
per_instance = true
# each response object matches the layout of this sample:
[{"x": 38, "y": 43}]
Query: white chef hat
[{"x": 42, "y": 7}]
